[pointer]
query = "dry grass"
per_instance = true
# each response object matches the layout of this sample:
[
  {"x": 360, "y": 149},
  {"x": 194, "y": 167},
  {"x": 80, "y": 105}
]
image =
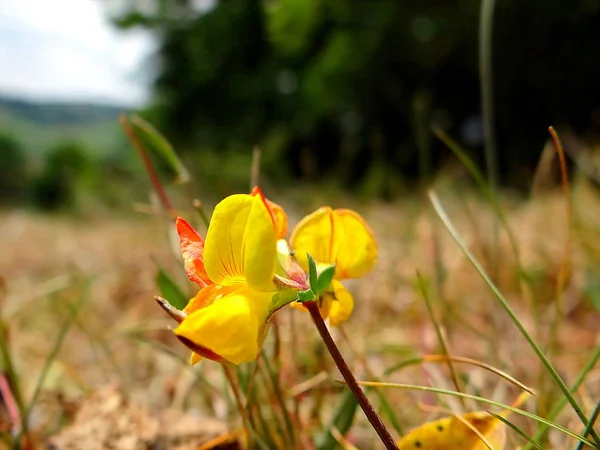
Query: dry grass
[{"x": 120, "y": 335}]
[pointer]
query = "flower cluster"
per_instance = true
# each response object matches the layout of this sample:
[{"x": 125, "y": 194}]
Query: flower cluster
[{"x": 246, "y": 271}]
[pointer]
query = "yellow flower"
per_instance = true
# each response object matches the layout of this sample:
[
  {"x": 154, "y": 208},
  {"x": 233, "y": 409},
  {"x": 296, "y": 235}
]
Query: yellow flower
[
  {"x": 339, "y": 237},
  {"x": 235, "y": 267}
]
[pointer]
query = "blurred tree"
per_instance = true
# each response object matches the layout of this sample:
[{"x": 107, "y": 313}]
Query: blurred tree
[
  {"x": 335, "y": 82},
  {"x": 64, "y": 167},
  {"x": 13, "y": 169}
]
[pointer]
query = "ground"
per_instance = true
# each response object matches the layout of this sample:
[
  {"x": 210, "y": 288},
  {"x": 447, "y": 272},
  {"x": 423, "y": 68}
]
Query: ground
[{"x": 121, "y": 379}]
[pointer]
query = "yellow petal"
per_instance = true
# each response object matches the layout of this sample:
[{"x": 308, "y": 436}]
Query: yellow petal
[
  {"x": 207, "y": 296},
  {"x": 315, "y": 234},
  {"x": 233, "y": 327},
  {"x": 343, "y": 305},
  {"x": 240, "y": 246},
  {"x": 338, "y": 237},
  {"x": 357, "y": 254}
]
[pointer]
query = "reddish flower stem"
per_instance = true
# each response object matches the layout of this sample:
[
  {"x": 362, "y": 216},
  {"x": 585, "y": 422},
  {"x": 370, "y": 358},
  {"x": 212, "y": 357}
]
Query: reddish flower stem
[
  {"x": 362, "y": 399},
  {"x": 155, "y": 180}
]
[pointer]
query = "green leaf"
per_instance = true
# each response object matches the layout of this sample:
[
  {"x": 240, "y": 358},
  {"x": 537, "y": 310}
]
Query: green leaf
[
  {"x": 306, "y": 296},
  {"x": 324, "y": 279},
  {"x": 342, "y": 421},
  {"x": 592, "y": 289},
  {"x": 312, "y": 272},
  {"x": 170, "y": 290}
]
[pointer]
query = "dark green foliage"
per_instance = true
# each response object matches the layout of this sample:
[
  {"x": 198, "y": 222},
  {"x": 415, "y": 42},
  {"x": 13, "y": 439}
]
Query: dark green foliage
[
  {"x": 13, "y": 169},
  {"x": 336, "y": 81},
  {"x": 65, "y": 166}
]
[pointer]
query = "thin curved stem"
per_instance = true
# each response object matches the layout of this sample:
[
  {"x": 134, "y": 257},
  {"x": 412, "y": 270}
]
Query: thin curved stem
[
  {"x": 362, "y": 399},
  {"x": 235, "y": 388}
]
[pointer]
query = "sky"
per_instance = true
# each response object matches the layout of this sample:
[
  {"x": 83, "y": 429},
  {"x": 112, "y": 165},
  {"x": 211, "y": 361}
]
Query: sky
[{"x": 67, "y": 50}]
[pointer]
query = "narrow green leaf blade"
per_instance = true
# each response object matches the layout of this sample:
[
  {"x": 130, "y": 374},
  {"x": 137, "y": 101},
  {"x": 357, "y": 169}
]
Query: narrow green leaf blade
[
  {"x": 515, "y": 429},
  {"x": 341, "y": 421},
  {"x": 170, "y": 290}
]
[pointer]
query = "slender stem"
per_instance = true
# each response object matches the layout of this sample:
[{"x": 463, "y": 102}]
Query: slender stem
[
  {"x": 486, "y": 20},
  {"x": 235, "y": 388},
  {"x": 564, "y": 268},
  {"x": 158, "y": 187},
  {"x": 255, "y": 168},
  {"x": 487, "y": 88},
  {"x": 362, "y": 399},
  {"x": 9, "y": 372}
]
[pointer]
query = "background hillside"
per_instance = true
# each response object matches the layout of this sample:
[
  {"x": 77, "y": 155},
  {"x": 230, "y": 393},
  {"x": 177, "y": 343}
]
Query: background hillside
[{"x": 38, "y": 126}]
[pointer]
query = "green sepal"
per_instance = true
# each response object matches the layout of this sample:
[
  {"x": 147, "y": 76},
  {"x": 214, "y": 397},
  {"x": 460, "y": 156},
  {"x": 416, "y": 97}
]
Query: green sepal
[
  {"x": 312, "y": 272},
  {"x": 306, "y": 296},
  {"x": 324, "y": 279}
]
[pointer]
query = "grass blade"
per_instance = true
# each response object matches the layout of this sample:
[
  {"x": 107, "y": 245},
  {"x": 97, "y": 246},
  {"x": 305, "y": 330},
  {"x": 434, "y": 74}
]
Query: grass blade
[
  {"x": 424, "y": 291},
  {"x": 516, "y": 429},
  {"x": 341, "y": 421},
  {"x": 538, "y": 351},
  {"x": 492, "y": 199},
  {"x": 11, "y": 375},
  {"x": 486, "y": 80},
  {"x": 590, "y": 426},
  {"x": 279, "y": 397},
  {"x": 459, "y": 359},
  {"x": 384, "y": 403},
  {"x": 66, "y": 326},
  {"x": 482, "y": 400}
]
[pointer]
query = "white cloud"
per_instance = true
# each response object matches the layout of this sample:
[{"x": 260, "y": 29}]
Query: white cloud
[{"x": 67, "y": 49}]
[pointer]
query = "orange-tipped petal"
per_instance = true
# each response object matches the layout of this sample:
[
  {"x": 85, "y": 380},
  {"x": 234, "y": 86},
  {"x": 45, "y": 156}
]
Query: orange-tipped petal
[
  {"x": 206, "y": 297},
  {"x": 240, "y": 244},
  {"x": 233, "y": 327},
  {"x": 279, "y": 219},
  {"x": 357, "y": 255},
  {"x": 316, "y": 234},
  {"x": 343, "y": 305},
  {"x": 192, "y": 249},
  {"x": 278, "y": 215}
]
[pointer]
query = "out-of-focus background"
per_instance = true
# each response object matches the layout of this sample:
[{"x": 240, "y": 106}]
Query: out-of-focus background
[
  {"x": 334, "y": 92},
  {"x": 341, "y": 97}
]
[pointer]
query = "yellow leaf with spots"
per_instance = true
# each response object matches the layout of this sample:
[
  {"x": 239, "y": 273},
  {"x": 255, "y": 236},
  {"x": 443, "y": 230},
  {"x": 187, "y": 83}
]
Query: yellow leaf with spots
[
  {"x": 471, "y": 431},
  {"x": 452, "y": 433}
]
